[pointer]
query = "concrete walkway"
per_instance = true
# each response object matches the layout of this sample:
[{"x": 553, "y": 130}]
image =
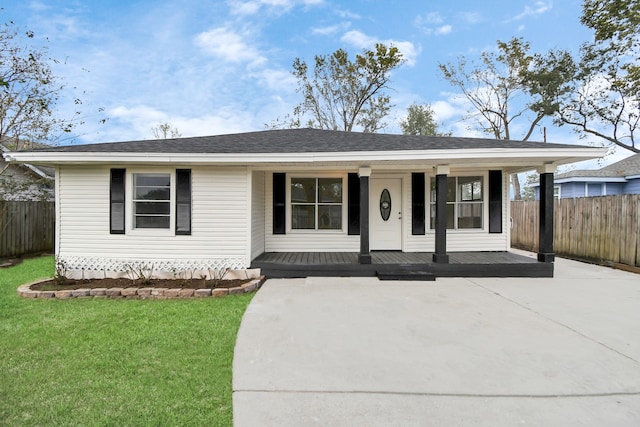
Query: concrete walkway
[{"x": 455, "y": 352}]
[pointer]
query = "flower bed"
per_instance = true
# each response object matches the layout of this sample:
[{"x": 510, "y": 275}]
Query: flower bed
[{"x": 124, "y": 288}]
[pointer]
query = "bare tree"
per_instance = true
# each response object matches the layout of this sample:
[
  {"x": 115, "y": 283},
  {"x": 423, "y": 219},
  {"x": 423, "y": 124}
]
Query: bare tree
[
  {"x": 165, "y": 131},
  {"x": 605, "y": 101},
  {"x": 510, "y": 87},
  {"x": 29, "y": 92}
]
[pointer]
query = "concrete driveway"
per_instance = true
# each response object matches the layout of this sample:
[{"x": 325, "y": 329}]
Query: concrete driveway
[{"x": 455, "y": 352}]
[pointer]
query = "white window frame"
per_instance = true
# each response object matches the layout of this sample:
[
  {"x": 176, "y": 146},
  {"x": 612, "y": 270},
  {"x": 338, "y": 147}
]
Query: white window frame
[
  {"x": 485, "y": 203},
  {"x": 343, "y": 204},
  {"x": 130, "y": 202}
]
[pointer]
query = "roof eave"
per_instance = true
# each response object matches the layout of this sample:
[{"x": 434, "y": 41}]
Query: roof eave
[{"x": 517, "y": 158}]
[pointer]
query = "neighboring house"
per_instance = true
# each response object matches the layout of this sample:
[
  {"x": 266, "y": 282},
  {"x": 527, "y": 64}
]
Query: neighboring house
[
  {"x": 25, "y": 181},
  {"x": 622, "y": 177},
  {"x": 205, "y": 203}
]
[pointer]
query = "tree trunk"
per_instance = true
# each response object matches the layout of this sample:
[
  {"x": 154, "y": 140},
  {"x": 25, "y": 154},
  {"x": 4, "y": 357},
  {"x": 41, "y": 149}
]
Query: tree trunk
[{"x": 515, "y": 182}]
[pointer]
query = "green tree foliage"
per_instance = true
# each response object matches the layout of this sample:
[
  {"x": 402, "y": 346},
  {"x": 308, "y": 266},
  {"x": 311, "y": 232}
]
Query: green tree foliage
[
  {"x": 604, "y": 99},
  {"x": 420, "y": 121},
  {"x": 29, "y": 92},
  {"x": 510, "y": 89},
  {"x": 529, "y": 190},
  {"x": 344, "y": 94}
]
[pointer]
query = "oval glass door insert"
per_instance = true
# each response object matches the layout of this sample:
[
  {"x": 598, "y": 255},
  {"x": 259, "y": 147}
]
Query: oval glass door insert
[{"x": 385, "y": 204}]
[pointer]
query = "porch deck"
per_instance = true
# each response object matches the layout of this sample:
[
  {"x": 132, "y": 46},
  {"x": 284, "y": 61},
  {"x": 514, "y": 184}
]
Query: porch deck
[{"x": 389, "y": 263}]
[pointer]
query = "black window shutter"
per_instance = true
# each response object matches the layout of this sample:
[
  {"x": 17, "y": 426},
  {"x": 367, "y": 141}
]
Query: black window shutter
[
  {"x": 495, "y": 201},
  {"x": 116, "y": 201},
  {"x": 353, "y": 204},
  {"x": 279, "y": 203},
  {"x": 183, "y": 202},
  {"x": 417, "y": 204}
]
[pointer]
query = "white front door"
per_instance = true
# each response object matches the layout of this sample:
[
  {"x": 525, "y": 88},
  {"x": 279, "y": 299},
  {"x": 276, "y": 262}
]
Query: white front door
[{"x": 385, "y": 214}]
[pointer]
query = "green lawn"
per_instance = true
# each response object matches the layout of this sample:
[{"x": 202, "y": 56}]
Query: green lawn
[{"x": 114, "y": 362}]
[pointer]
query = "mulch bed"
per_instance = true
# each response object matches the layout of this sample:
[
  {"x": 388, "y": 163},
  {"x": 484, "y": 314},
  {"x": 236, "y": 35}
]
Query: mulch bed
[{"x": 56, "y": 285}]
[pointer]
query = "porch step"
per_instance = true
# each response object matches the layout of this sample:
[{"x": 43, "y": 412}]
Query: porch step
[{"x": 406, "y": 275}]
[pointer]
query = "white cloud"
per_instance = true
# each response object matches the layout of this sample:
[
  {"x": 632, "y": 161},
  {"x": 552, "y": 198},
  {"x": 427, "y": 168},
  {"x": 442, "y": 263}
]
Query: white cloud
[
  {"x": 429, "y": 18},
  {"x": 538, "y": 8},
  {"x": 430, "y": 23},
  {"x": 440, "y": 31},
  {"x": 329, "y": 30},
  {"x": 135, "y": 123},
  {"x": 38, "y": 6},
  {"x": 252, "y": 7},
  {"x": 228, "y": 45},
  {"x": 444, "y": 110},
  {"x": 347, "y": 14},
  {"x": 277, "y": 80},
  {"x": 358, "y": 39},
  {"x": 471, "y": 17}
]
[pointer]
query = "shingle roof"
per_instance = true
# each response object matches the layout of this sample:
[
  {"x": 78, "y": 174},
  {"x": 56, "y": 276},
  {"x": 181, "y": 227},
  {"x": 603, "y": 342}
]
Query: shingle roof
[
  {"x": 625, "y": 167},
  {"x": 299, "y": 141}
]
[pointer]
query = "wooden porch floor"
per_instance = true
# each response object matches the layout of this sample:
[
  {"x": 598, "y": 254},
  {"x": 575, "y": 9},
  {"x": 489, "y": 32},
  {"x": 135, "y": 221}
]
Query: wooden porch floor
[{"x": 461, "y": 264}]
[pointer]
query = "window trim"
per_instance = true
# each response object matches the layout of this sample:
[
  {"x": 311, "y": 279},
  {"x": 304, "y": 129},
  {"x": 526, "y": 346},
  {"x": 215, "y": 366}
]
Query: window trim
[
  {"x": 130, "y": 190},
  {"x": 343, "y": 204},
  {"x": 485, "y": 203}
]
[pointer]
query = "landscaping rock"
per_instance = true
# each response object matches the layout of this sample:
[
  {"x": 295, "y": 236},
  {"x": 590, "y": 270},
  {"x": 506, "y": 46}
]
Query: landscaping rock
[
  {"x": 77, "y": 293},
  {"x": 172, "y": 293},
  {"x": 185, "y": 293},
  {"x": 129, "y": 292},
  {"x": 66, "y": 294},
  {"x": 113, "y": 292},
  {"x": 251, "y": 286},
  {"x": 29, "y": 294},
  {"x": 25, "y": 291},
  {"x": 236, "y": 290},
  {"x": 220, "y": 292},
  {"x": 200, "y": 293},
  {"x": 144, "y": 292}
]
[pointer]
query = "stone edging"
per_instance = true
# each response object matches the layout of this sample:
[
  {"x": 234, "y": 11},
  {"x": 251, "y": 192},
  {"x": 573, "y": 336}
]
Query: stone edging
[{"x": 25, "y": 291}]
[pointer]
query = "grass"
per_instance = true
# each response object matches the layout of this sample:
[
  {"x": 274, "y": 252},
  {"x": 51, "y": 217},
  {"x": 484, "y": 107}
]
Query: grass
[{"x": 114, "y": 362}]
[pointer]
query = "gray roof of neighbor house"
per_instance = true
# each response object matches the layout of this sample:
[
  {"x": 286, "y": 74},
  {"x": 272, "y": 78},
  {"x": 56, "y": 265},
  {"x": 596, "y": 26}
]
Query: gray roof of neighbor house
[
  {"x": 298, "y": 141},
  {"x": 625, "y": 167},
  {"x": 42, "y": 171}
]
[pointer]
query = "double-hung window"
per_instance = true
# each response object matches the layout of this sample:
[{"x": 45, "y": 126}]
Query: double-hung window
[
  {"x": 316, "y": 203},
  {"x": 152, "y": 200},
  {"x": 465, "y": 202}
]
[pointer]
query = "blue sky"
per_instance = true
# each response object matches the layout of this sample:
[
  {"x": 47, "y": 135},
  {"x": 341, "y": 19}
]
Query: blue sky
[{"x": 214, "y": 67}]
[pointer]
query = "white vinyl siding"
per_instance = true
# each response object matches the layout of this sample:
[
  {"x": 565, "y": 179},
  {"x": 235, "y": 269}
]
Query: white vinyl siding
[
  {"x": 306, "y": 240},
  {"x": 458, "y": 240},
  {"x": 220, "y": 211}
]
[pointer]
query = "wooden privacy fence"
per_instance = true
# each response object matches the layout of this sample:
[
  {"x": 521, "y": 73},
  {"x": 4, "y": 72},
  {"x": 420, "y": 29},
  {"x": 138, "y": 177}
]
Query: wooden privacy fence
[
  {"x": 26, "y": 228},
  {"x": 595, "y": 228}
]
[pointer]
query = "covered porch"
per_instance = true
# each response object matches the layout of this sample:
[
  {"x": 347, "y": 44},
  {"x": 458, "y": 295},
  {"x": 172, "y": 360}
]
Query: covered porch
[{"x": 398, "y": 265}]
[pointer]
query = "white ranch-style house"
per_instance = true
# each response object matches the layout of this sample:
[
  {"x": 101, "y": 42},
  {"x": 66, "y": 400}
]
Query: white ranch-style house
[{"x": 298, "y": 202}]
